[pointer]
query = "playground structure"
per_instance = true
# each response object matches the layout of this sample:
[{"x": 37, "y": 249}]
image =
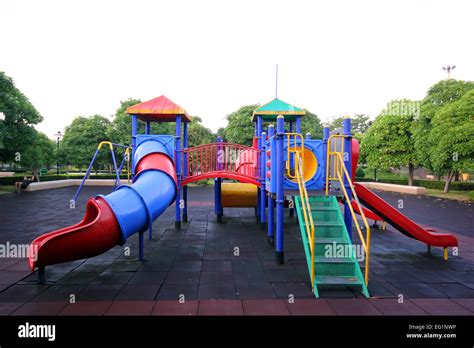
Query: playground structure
[{"x": 282, "y": 167}]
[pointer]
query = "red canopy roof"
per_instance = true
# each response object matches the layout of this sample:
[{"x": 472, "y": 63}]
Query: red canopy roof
[{"x": 160, "y": 109}]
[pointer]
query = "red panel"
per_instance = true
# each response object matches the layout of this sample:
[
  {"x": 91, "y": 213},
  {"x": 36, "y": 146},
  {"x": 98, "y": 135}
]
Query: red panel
[
  {"x": 368, "y": 213},
  {"x": 96, "y": 233},
  {"x": 158, "y": 109},
  {"x": 400, "y": 221},
  {"x": 158, "y": 161},
  {"x": 222, "y": 175}
]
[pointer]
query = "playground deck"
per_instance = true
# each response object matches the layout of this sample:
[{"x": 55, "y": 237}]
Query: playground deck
[{"x": 201, "y": 263}]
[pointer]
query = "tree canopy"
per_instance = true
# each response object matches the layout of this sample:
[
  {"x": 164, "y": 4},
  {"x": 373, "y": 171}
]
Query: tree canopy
[
  {"x": 198, "y": 134},
  {"x": 360, "y": 123},
  {"x": 389, "y": 142},
  {"x": 40, "y": 153},
  {"x": 81, "y": 139},
  {"x": 240, "y": 129},
  {"x": 452, "y": 137},
  {"x": 16, "y": 130},
  {"x": 438, "y": 96},
  {"x": 310, "y": 123}
]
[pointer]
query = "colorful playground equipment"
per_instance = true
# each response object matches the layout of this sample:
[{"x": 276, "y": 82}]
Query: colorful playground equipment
[{"x": 282, "y": 167}]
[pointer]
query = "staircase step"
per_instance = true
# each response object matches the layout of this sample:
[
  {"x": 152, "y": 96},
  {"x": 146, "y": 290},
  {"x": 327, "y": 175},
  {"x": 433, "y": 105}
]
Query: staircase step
[
  {"x": 329, "y": 240},
  {"x": 321, "y": 245},
  {"x": 338, "y": 269},
  {"x": 324, "y": 209},
  {"x": 335, "y": 280},
  {"x": 322, "y": 259}
]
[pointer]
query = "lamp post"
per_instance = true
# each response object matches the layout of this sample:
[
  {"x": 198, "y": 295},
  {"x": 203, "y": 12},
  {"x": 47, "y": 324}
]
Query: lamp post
[
  {"x": 58, "y": 136},
  {"x": 448, "y": 68},
  {"x": 2, "y": 119}
]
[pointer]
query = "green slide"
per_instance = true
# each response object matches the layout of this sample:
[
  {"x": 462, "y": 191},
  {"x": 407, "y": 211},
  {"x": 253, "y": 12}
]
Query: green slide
[{"x": 335, "y": 260}]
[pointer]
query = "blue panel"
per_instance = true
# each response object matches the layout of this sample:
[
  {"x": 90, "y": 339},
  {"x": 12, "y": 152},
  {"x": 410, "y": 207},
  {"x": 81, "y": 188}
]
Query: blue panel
[
  {"x": 317, "y": 181},
  {"x": 148, "y": 143}
]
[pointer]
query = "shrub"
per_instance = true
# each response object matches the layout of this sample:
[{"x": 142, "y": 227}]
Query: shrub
[
  {"x": 360, "y": 173},
  {"x": 471, "y": 195}
]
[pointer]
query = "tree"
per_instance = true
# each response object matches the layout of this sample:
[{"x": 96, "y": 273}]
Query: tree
[
  {"x": 452, "y": 136},
  {"x": 389, "y": 142},
  {"x": 198, "y": 134},
  {"x": 221, "y": 133},
  {"x": 81, "y": 139},
  {"x": 360, "y": 123},
  {"x": 20, "y": 115},
  {"x": 310, "y": 123},
  {"x": 39, "y": 153},
  {"x": 439, "y": 95},
  {"x": 240, "y": 129}
]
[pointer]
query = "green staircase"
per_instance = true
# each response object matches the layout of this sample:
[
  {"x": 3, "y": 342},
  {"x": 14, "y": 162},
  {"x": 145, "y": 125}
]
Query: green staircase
[{"x": 338, "y": 266}]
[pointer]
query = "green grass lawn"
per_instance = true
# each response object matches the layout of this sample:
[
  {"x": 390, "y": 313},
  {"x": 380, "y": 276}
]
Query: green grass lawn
[
  {"x": 7, "y": 189},
  {"x": 458, "y": 195}
]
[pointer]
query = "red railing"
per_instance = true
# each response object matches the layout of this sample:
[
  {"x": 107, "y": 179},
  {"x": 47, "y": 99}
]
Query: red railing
[{"x": 221, "y": 160}]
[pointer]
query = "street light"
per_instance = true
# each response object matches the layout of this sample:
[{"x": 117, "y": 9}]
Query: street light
[
  {"x": 448, "y": 68},
  {"x": 2, "y": 119},
  {"x": 58, "y": 136}
]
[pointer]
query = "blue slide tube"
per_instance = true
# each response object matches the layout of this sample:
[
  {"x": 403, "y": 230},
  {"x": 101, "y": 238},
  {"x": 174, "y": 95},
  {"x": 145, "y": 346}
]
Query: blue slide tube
[{"x": 153, "y": 190}]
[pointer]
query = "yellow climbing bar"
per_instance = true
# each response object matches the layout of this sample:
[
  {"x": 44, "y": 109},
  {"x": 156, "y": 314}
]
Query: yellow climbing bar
[{"x": 340, "y": 173}]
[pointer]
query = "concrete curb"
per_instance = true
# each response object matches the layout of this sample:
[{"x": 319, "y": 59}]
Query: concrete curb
[
  {"x": 411, "y": 190},
  {"x": 46, "y": 185}
]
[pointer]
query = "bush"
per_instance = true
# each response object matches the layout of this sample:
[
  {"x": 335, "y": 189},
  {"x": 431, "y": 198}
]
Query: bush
[
  {"x": 360, "y": 173},
  {"x": 10, "y": 180},
  {"x": 471, "y": 195}
]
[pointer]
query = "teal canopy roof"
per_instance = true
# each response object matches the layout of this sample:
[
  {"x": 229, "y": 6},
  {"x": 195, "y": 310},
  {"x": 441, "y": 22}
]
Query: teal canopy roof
[{"x": 271, "y": 110}]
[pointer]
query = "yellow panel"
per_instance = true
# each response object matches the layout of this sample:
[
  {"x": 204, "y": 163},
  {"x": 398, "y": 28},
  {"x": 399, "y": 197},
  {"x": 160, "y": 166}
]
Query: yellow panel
[
  {"x": 310, "y": 164},
  {"x": 239, "y": 195}
]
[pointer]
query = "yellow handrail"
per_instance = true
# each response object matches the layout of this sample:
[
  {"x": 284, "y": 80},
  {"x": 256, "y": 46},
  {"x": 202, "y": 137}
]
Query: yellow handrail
[
  {"x": 340, "y": 172},
  {"x": 306, "y": 206},
  {"x": 294, "y": 149}
]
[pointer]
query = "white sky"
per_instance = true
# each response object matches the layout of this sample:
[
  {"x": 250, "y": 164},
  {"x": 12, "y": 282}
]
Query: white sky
[{"x": 335, "y": 57}]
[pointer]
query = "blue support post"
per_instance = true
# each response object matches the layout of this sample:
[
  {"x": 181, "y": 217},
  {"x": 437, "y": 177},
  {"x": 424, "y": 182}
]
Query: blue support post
[
  {"x": 141, "y": 246},
  {"x": 271, "y": 201},
  {"x": 185, "y": 172},
  {"x": 347, "y": 155},
  {"x": 134, "y": 142},
  {"x": 292, "y": 166},
  {"x": 148, "y": 128},
  {"x": 263, "y": 191},
  {"x": 325, "y": 148},
  {"x": 218, "y": 186},
  {"x": 280, "y": 199},
  {"x": 177, "y": 164},
  {"x": 298, "y": 124}
]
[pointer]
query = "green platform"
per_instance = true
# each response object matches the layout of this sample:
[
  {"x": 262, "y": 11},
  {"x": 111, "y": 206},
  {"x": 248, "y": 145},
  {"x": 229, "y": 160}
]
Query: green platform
[{"x": 332, "y": 268}]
